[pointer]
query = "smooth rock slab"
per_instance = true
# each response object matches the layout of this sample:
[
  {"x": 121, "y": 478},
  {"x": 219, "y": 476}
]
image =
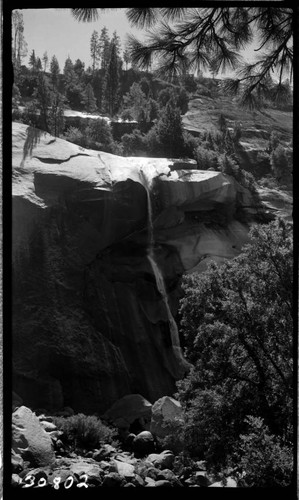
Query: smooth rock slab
[{"x": 30, "y": 440}]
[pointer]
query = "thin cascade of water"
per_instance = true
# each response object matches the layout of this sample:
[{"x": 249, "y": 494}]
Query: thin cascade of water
[{"x": 175, "y": 339}]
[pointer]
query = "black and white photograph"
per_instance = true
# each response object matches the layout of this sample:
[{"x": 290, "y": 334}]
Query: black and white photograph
[{"x": 152, "y": 267}]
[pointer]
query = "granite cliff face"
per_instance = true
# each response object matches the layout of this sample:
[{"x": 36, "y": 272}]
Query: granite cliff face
[{"x": 89, "y": 322}]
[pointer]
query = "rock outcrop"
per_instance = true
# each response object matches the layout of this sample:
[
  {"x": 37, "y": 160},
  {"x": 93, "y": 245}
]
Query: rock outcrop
[{"x": 89, "y": 323}]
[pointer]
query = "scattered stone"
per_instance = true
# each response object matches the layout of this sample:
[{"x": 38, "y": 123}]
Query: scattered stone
[
  {"x": 15, "y": 480},
  {"x": 17, "y": 462},
  {"x": 124, "y": 469},
  {"x": 144, "y": 443},
  {"x": 166, "y": 412},
  {"x": 170, "y": 476},
  {"x": 163, "y": 483},
  {"x": 127, "y": 410},
  {"x": 113, "y": 479},
  {"x": 163, "y": 460},
  {"x": 152, "y": 472},
  {"x": 138, "y": 480},
  {"x": 149, "y": 481},
  {"x": 29, "y": 439},
  {"x": 129, "y": 485},
  {"x": 200, "y": 477}
]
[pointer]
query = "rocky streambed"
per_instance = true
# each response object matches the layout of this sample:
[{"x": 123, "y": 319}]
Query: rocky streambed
[{"x": 41, "y": 458}]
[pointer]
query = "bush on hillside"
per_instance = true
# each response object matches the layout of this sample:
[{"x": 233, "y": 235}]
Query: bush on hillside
[
  {"x": 206, "y": 159},
  {"x": 133, "y": 143},
  {"x": 84, "y": 431}
]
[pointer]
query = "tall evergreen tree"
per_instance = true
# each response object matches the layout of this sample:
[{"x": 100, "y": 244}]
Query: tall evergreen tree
[
  {"x": 112, "y": 82},
  {"x": 104, "y": 48},
  {"x": 45, "y": 61},
  {"x": 89, "y": 100},
  {"x": 32, "y": 60},
  {"x": 19, "y": 44},
  {"x": 94, "y": 49},
  {"x": 55, "y": 70}
]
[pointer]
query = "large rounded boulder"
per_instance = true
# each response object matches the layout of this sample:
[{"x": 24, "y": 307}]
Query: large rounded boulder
[{"x": 30, "y": 440}]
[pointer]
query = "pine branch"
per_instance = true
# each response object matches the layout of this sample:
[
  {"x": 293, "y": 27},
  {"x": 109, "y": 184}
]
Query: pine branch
[
  {"x": 142, "y": 17},
  {"x": 85, "y": 15}
]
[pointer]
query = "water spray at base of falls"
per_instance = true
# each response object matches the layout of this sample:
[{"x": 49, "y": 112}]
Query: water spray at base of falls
[{"x": 175, "y": 339}]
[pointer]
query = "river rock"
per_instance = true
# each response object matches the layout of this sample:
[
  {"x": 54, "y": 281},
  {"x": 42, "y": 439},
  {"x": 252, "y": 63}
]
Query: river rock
[
  {"x": 29, "y": 439},
  {"x": 130, "y": 408},
  {"x": 166, "y": 414},
  {"x": 113, "y": 479},
  {"x": 163, "y": 460},
  {"x": 124, "y": 469},
  {"x": 162, "y": 483},
  {"x": 149, "y": 481},
  {"x": 143, "y": 443}
]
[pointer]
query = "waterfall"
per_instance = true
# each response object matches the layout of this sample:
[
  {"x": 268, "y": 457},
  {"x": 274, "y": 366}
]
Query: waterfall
[{"x": 175, "y": 339}]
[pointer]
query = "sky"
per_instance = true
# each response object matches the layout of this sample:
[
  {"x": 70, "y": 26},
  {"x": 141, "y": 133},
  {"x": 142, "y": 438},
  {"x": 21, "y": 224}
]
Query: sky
[{"x": 57, "y": 32}]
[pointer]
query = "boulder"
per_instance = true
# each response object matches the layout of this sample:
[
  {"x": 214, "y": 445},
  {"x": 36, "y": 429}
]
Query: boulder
[
  {"x": 170, "y": 476},
  {"x": 166, "y": 414},
  {"x": 124, "y": 469},
  {"x": 113, "y": 479},
  {"x": 163, "y": 460},
  {"x": 17, "y": 462},
  {"x": 29, "y": 439},
  {"x": 149, "y": 482},
  {"x": 143, "y": 443},
  {"x": 127, "y": 410},
  {"x": 162, "y": 483}
]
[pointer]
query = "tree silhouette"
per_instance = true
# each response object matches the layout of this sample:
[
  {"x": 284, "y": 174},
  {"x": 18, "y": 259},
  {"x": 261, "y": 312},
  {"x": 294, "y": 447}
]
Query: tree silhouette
[{"x": 185, "y": 40}]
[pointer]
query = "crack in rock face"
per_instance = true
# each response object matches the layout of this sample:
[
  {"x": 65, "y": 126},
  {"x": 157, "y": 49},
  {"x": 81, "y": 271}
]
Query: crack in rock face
[{"x": 57, "y": 160}]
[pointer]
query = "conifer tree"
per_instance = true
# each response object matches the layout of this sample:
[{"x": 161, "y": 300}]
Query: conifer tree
[
  {"x": 45, "y": 60},
  {"x": 19, "y": 44},
  {"x": 94, "y": 49},
  {"x": 89, "y": 100},
  {"x": 55, "y": 70},
  {"x": 111, "y": 82},
  {"x": 104, "y": 48},
  {"x": 32, "y": 60}
]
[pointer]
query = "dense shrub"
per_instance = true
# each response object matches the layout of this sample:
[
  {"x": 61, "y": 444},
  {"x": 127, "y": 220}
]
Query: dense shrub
[
  {"x": 84, "y": 431},
  {"x": 133, "y": 143},
  {"x": 236, "y": 320},
  {"x": 75, "y": 135},
  {"x": 206, "y": 159},
  {"x": 265, "y": 459},
  {"x": 279, "y": 162}
]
